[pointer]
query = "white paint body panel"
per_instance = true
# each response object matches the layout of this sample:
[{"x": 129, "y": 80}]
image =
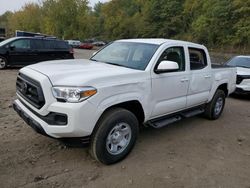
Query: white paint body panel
[{"x": 158, "y": 94}]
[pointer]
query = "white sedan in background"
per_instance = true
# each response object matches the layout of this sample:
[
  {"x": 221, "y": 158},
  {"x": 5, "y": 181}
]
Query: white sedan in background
[{"x": 242, "y": 63}]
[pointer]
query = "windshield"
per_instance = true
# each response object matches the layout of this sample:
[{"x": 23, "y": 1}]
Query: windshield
[
  {"x": 6, "y": 41},
  {"x": 240, "y": 62},
  {"x": 127, "y": 54}
]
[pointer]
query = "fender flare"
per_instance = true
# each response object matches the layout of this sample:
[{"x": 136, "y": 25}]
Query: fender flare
[{"x": 216, "y": 86}]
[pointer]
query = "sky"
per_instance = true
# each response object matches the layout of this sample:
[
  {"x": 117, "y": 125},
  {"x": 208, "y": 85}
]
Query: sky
[{"x": 14, "y": 5}]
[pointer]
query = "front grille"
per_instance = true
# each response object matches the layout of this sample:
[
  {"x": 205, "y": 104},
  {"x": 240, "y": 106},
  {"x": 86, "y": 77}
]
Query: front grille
[
  {"x": 240, "y": 78},
  {"x": 30, "y": 90}
]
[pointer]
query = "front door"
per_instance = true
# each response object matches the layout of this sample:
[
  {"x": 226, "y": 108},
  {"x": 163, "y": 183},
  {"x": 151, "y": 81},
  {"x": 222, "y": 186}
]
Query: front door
[
  {"x": 20, "y": 52},
  {"x": 170, "y": 88}
]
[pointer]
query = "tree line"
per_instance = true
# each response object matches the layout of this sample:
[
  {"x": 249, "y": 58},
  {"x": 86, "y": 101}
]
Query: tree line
[{"x": 214, "y": 23}]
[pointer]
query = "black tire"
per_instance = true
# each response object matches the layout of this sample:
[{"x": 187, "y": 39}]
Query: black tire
[
  {"x": 212, "y": 111},
  {"x": 3, "y": 62},
  {"x": 107, "y": 126}
]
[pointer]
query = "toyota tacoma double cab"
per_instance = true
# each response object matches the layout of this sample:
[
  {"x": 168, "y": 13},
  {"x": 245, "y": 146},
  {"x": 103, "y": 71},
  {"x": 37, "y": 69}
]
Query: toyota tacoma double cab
[{"x": 128, "y": 83}]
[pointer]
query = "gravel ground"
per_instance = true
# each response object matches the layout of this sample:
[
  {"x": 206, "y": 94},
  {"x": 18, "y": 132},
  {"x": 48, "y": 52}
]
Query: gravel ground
[{"x": 193, "y": 153}]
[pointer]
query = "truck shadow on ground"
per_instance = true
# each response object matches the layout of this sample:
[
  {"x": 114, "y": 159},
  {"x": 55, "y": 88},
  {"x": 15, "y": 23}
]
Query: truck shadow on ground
[
  {"x": 149, "y": 134},
  {"x": 240, "y": 97}
]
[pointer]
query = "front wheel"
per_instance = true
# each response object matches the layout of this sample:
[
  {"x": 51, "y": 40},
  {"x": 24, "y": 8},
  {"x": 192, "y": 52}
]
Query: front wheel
[
  {"x": 3, "y": 63},
  {"x": 214, "y": 109},
  {"x": 115, "y": 136}
]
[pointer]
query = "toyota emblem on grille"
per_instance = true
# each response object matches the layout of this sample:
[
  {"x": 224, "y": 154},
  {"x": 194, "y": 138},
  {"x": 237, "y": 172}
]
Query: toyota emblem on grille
[{"x": 24, "y": 87}]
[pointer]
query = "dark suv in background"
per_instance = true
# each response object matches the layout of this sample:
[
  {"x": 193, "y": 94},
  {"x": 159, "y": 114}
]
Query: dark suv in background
[{"x": 22, "y": 51}]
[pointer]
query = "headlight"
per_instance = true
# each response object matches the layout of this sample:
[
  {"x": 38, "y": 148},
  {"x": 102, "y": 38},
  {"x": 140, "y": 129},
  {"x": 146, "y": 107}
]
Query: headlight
[{"x": 73, "y": 94}]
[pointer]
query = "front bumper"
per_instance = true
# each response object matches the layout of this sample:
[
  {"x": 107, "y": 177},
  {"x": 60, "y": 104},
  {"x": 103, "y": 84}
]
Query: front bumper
[
  {"x": 243, "y": 87},
  {"x": 80, "y": 119},
  {"x": 241, "y": 91},
  {"x": 29, "y": 120}
]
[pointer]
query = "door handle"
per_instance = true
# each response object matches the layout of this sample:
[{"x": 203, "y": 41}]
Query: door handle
[
  {"x": 207, "y": 76},
  {"x": 184, "y": 79}
]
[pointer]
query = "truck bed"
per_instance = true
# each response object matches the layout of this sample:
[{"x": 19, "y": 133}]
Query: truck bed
[{"x": 218, "y": 66}]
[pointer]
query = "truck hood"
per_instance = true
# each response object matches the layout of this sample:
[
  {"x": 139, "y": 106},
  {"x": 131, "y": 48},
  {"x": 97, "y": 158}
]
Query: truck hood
[
  {"x": 243, "y": 71},
  {"x": 83, "y": 72}
]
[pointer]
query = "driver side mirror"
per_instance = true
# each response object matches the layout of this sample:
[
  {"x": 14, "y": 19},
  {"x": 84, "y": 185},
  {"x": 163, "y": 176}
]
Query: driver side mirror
[{"x": 167, "y": 66}]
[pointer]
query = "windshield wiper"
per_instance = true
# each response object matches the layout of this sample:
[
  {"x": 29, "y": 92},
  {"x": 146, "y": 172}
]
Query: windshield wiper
[
  {"x": 116, "y": 64},
  {"x": 93, "y": 60},
  {"x": 244, "y": 67}
]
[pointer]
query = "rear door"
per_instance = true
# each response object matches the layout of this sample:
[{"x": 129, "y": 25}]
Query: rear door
[
  {"x": 200, "y": 77},
  {"x": 61, "y": 50},
  {"x": 49, "y": 50},
  {"x": 37, "y": 47},
  {"x": 20, "y": 52}
]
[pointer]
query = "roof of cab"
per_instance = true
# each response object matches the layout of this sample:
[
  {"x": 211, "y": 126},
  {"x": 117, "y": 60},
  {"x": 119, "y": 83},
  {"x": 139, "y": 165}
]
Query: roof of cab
[{"x": 157, "y": 41}]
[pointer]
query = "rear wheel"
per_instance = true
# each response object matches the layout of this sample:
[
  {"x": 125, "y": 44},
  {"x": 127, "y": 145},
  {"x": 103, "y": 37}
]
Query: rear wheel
[
  {"x": 115, "y": 136},
  {"x": 214, "y": 109},
  {"x": 3, "y": 62}
]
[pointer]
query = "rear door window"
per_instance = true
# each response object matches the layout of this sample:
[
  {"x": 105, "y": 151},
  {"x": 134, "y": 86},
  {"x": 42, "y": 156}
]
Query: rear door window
[
  {"x": 49, "y": 44},
  {"x": 37, "y": 44},
  {"x": 61, "y": 45},
  {"x": 198, "y": 59}
]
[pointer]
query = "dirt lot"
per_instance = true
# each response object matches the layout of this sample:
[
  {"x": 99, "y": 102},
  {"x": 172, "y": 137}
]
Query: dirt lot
[{"x": 193, "y": 153}]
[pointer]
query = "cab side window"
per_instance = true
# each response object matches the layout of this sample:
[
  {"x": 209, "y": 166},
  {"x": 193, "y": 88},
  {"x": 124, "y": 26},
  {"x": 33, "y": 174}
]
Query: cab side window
[
  {"x": 21, "y": 44},
  {"x": 37, "y": 44},
  {"x": 198, "y": 59},
  {"x": 49, "y": 44},
  {"x": 61, "y": 45},
  {"x": 175, "y": 54}
]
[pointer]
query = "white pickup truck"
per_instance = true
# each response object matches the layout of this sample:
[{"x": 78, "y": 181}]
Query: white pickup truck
[{"x": 152, "y": 82}]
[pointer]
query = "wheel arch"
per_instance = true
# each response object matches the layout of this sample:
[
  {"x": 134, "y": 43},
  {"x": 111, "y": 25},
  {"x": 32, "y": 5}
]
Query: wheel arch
[
  {"x": 6, "y": 59},
  {"x": 222, "y": 86},
  {"x": 133, "y": 106}
]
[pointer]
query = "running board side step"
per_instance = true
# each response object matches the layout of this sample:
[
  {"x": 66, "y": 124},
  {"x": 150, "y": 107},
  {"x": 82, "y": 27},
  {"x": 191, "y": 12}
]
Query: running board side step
[
  {"x": 164, "y": 121},
  {"x": 192, "y": 113}
]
